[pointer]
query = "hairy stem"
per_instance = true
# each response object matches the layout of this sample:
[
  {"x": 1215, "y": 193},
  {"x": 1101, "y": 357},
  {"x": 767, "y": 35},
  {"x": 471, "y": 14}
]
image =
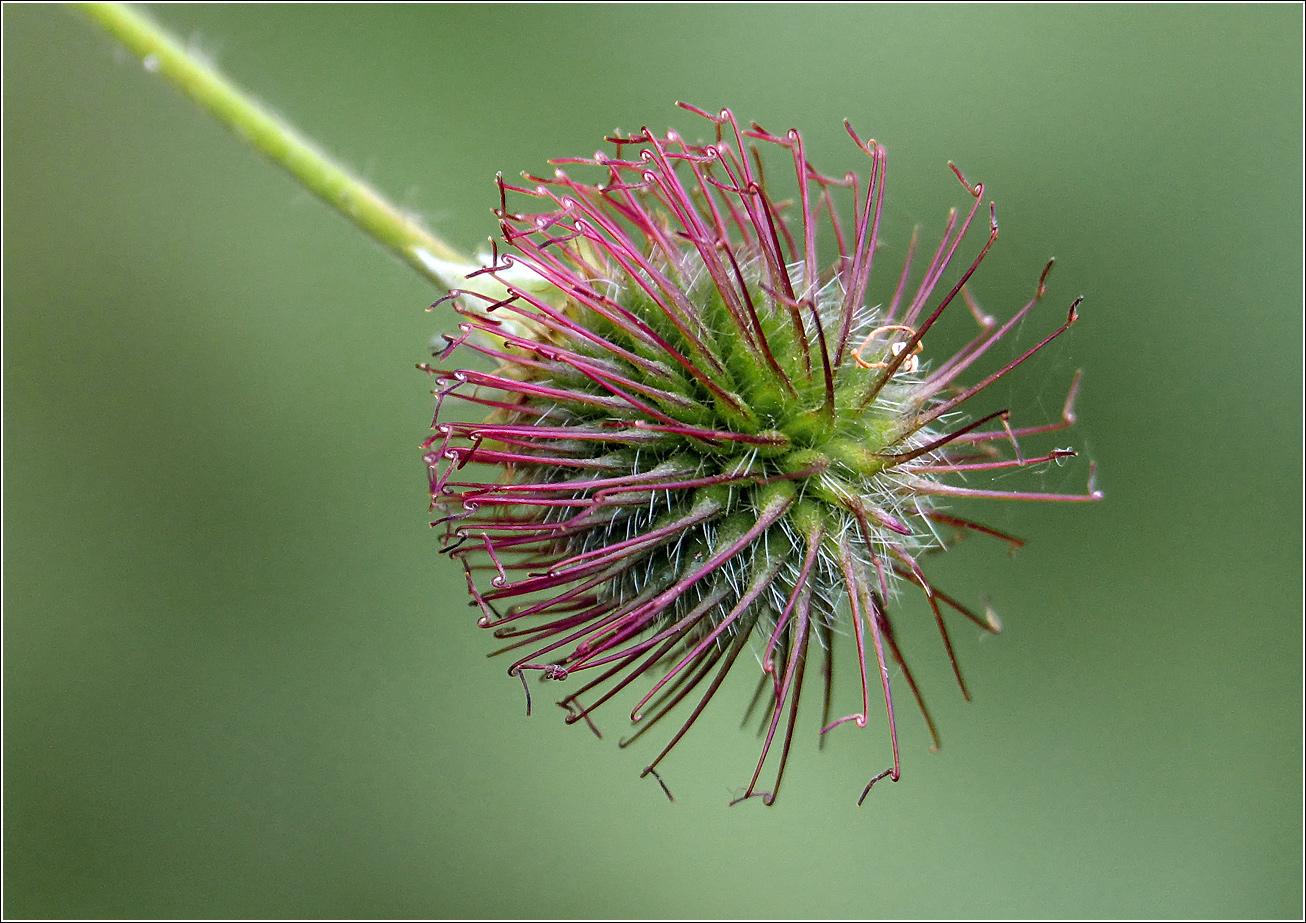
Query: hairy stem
[{"x": 279, "y": 143}]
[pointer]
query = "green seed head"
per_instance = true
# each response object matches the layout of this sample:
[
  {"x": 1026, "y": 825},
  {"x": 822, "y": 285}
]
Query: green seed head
[{"x": 700, "y": 439}]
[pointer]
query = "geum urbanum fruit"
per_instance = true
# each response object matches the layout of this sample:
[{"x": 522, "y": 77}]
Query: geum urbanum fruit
[{"x": 701, "y": 441}]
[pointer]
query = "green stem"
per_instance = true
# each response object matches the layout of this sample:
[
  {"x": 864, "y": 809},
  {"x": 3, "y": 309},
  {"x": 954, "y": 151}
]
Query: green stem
[{"x": 281, "y": 144}]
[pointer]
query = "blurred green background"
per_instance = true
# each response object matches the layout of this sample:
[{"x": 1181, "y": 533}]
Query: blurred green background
[{"x": 238, "y": 678}]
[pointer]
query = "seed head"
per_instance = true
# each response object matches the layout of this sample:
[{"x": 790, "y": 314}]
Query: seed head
[{"x": 701, "y": 440}]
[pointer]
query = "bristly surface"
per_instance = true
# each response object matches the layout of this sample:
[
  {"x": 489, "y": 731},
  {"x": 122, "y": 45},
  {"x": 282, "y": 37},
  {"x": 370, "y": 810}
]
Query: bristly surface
[{"x": 701, "y": 440}]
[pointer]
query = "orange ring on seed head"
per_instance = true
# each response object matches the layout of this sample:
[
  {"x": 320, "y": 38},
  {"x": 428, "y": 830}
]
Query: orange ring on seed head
[{"x": 857, "y": 353}]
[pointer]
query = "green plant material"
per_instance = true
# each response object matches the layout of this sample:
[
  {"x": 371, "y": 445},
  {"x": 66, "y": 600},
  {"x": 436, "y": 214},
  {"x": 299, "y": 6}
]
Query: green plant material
[{"x": 161, "y": 54}]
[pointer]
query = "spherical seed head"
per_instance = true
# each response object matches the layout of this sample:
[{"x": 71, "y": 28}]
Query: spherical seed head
[{"x": 700, "y": 439}]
